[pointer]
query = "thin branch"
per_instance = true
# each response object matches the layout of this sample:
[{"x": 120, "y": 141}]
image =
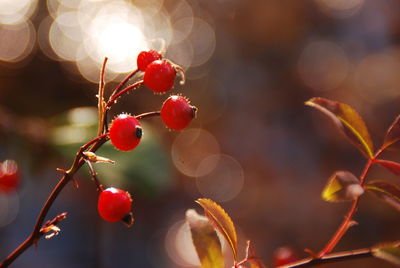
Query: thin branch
[
  {"x": 146, "y": 115},
  {"x": 101, "y": 103},
  {"x": 112, "y": 99},
  {"x": 99, "y": 186},
  {"x": 348, "y": 219},
  {"x": 36, "y": 233},
  {"x": 332, "y": 258},
  {"x": 123, "y": 82}
]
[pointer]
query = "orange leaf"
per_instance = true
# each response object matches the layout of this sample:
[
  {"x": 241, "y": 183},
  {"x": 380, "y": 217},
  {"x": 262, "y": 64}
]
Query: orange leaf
[
  {"x": 221, "y": 221},
  {"x": 393, "y": 134},
  {"x": 390, "y": 165},
  {"x": 205, "y": 240},
  {"x": 348, "y": 121},
  {"x": 386, "y": 191}
]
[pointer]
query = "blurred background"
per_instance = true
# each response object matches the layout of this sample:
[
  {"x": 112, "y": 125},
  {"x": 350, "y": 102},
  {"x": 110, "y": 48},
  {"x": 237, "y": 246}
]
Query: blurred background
[{"x": 254, "y": 148}]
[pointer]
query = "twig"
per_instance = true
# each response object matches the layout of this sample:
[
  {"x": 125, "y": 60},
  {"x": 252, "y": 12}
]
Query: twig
[
  {"x": 331, "y": 258},
  {"x": 149, "y": 114},
  {"x": 348, "y": 219}
]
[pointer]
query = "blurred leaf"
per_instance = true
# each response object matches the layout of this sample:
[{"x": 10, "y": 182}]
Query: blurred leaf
[
  {"x": 393, "y": 134},
  {"x": 388, "y": 252},
  {"x": 205, "y": 240},
  {"x": 342, "y": 186},
  {"x": 386, "y": 191},
  {"x": 390, "y": 165},
  {"x": 348, "y": 121},
  {"x": 221, "y": 221},
  {"x": 253, "y": 260}
]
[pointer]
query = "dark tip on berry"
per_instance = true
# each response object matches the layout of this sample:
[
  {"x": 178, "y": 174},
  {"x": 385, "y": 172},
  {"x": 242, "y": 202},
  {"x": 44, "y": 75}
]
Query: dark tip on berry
[
  {"x": 194, "y": 111},
  {"x": 128, "y": 219},
  {"x": 138, "y": 132}
]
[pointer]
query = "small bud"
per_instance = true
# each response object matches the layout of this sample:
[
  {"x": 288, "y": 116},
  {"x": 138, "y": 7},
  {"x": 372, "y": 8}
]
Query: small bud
[{"x": 92, "y": 157}]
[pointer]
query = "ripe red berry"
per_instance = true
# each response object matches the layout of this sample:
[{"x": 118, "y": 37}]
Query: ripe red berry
[
  {"x": 114, "y": 204},
  {"x": 176, "y": 112},
  {"x": 9, "y": 176},
  {"x": 125, "y": 132},
  {"x": 146, "y": 57},
  {"x": 284, "y": 255},
  {"x": 159, "y": 76}
]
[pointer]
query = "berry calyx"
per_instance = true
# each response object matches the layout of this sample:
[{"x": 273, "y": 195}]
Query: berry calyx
[
  {"x": 146, "y": 57},
  {"x": 176, "y": 112},
  {"x": 114, "y": 204},
  {"x": 9, "y": 176},
  {"x": 125, "y": 132},
  {"x": 159, "y": 76}
]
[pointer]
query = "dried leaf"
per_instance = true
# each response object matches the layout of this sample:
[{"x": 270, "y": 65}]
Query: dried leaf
[
  {"x": 205, "y": 240},
  {"x": 342, "y": 186},
  {"x": 393, "y": 135},
  {"x": 386, "y": 191},
  {"x": 221, "y": 221},
  {"x": 388, "y": 252},
  {"x": 390, "y": 165},
  {"x": 348, "y": 121}
]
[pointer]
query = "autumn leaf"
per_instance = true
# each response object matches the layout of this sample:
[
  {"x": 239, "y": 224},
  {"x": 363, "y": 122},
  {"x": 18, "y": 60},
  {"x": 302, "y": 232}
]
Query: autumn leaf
[
  {"x": 393, "y": 134},
  {"x": 390, "y": 165},
  {"x": 386, "y": 191},
  {"x": 342, "y": 186},
  {"x": 221, "y": 221},
  {"x": 205, "y": 240},
  {"x": 389, "y": 252},
  {"x": 348, "y": 121}
]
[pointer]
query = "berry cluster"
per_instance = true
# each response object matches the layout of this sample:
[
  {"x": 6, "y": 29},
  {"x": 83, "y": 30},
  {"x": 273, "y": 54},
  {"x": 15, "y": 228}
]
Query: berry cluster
[
  {"x": 9, "y": 176},
  {"x": 126, "y": 132}
]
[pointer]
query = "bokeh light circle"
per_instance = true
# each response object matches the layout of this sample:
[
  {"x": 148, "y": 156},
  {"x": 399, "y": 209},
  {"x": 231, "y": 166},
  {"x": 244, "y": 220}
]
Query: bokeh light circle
[
  {"x": 190, "y": 148},
  {"x": 224, "y": 182},
  {"x": 9, "y": 208},
  {"x": 323, "y": 65},
  {"x": 179, "y": 245},
  {"x": 17, "y": 41}
]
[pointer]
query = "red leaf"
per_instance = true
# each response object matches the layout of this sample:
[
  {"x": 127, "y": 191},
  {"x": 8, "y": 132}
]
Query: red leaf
[
  {"x": 390, "y": 165},
  {"x": 393, "y": 134},
  {"x": 386, "y": 191}
]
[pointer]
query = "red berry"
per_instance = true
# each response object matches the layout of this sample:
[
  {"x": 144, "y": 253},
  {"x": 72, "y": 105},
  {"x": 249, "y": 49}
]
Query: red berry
[
  {"x": 176, "y": 112},
  {"x": 114, "y": 204},
  {"x": 159, "y": 76},
  {"x": 125, "y": 132},
  {"x": 146, "y": 57},
  {"x": 284, "y": 255},
  {"x": 9, "y": 176}
]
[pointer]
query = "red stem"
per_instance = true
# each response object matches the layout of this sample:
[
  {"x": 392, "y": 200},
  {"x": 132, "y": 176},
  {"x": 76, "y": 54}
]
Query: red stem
[
  {"x": 348, "y": 219},
  {"x": 113, "y": 98}
]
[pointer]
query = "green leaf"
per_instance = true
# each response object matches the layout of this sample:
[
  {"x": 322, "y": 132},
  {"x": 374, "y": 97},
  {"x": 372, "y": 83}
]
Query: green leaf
[
  {"x": 348, "y": 121},
  {"x": 388, "y": 252},
  {"x": 342, "y": 186},
  {"x": 386, "y": 191},
  {"x": 393, "y": 135},
  {"x": 221, "y": 221},
  {"x": 390, "y": 165},
  {"x": 205, "y": 240}
]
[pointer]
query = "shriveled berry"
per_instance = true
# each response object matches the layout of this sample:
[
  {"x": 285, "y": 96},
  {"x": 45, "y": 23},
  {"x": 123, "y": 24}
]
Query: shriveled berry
[
  {"x": 125, "y": 132},
  {"x": 114, "y": 204},
  {"x": 176, "y": 112},
  {"x": 159, "y": 76},
  {"x": 9, "y": 176},
  {"x": 146, "y": 57}
]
